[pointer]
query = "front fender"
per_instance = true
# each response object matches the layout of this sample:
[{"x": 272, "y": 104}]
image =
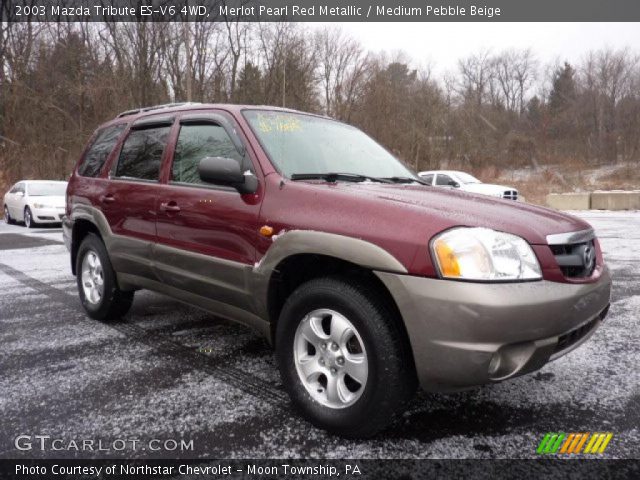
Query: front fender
[{"x": 297, "y": 242}]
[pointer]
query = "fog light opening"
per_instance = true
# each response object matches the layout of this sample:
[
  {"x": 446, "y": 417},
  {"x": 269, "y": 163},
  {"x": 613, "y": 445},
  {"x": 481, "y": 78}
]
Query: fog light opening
[{"x": 494, "y": 364}]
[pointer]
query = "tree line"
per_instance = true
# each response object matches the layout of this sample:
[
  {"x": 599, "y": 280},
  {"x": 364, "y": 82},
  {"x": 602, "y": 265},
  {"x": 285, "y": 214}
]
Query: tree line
[{"x": 504, "y": 109}]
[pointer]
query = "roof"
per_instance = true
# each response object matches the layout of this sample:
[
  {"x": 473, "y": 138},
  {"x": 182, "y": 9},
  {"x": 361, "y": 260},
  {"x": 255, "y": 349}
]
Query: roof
[
  {"x": 446, "y": 172},
  {"x": 186, "y": 106},
  {"x": 41, "y": 181}
]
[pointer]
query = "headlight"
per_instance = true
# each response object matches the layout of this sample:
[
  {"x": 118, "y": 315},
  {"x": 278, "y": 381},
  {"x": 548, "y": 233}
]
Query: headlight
[
  {"x": 42, "y": 205},
  {"x": 482, "y": 254}
]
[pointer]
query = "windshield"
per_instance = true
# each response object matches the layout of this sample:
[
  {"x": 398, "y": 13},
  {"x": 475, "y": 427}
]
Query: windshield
[
  {"x": 46, "y": 189},
  {"x": 466, "y": 178},
  {"x": 299, "y": 144}
]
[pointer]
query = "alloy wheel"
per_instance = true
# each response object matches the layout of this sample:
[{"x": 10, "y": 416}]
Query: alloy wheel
[
  {"x": 92, "y": 277},
  {"x": 330, "y": 358}
]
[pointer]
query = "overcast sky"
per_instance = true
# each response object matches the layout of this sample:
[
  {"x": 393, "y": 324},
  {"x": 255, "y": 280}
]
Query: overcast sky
[{"x": 442, "y": 44}]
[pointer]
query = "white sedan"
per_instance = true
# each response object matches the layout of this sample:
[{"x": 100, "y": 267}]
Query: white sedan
[
  {"x": 468, "y": 183},
  {"x": 35, "y": 202}
]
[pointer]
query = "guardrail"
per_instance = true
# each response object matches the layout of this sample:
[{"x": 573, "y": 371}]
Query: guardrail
[{"x": 598, "y": 200}]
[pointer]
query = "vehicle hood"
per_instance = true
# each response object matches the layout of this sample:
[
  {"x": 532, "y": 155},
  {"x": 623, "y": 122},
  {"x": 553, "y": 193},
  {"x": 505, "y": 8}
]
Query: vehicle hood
[
  {"x": 486, "y": 188},
  {"x": 50, "y": 200},
  {"x": 432, "y": 209}
]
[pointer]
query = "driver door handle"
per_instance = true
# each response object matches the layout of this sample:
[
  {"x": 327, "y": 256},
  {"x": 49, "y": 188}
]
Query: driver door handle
[
  {"x": 108, "y": 198},
  {"x": 169, "y": 207}
]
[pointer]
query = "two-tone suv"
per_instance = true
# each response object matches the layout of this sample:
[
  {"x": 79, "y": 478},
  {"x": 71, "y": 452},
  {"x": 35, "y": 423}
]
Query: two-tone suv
[{"x": 367, "y": 281}]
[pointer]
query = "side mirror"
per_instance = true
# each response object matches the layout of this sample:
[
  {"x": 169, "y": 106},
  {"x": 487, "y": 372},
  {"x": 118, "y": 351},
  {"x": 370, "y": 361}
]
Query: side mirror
[
  {"x": 226, "y": 171},
  {"x": 454, "y": 184},
  {"x": 20, "y": 194}
]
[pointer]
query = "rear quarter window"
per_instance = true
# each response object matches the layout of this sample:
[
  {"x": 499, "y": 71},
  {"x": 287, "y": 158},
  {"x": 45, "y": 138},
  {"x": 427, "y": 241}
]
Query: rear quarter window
[{"x": 99, "y": 151}]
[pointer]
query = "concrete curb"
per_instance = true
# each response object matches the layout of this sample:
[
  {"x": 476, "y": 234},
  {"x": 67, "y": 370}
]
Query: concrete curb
[
  {"x": 615, "y": 200},
  {"x": 569, "y": 201},
  {"x": 598, "y": 200}
]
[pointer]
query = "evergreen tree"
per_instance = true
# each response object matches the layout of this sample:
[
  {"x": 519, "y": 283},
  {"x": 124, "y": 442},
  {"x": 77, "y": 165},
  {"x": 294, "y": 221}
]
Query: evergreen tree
[
  {"x": 534, "y": 111},
  {"x": 564, "y": 91},
  {"x": 249, "y": 87}
]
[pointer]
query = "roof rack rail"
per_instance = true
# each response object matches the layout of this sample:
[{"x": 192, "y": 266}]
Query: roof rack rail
[{"x": 155, "y": 107}]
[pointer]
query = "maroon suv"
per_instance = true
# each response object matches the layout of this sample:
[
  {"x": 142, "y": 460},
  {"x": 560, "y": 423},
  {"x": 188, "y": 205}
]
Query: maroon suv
[{"x": 367, "y": 281}]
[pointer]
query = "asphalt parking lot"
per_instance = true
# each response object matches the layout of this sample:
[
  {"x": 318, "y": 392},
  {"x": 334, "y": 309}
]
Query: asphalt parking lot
[{"x": 169, "y": 372}]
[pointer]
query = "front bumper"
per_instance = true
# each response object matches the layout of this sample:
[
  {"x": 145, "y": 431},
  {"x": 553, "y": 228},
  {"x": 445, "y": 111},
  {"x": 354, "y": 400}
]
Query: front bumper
[
  {"x": 47, "y": 215},
  {"x": 464, "y": 334}
]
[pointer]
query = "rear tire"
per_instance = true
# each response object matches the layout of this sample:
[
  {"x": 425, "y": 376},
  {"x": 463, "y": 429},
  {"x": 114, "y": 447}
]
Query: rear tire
[
  {"x": 7, "y": 216},
  {"x": 312, "y": 353},
  {"x": 98, "y": 288},
  {"x": 28, "y": 218}
]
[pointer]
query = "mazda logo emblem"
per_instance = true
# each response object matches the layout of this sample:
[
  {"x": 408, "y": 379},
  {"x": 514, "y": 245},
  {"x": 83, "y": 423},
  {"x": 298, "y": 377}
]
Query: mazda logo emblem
[{"x": 588, "y": 258}]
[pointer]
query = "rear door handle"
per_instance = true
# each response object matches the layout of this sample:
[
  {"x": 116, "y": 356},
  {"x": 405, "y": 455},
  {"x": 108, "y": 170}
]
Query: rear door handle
[
  {"x": 109, "y": 198},
  {"x": 169, "y": 207}
]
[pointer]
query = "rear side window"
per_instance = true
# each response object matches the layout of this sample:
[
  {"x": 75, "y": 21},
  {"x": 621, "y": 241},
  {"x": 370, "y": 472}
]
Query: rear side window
[
  {"x": 196, "y": 142},
  {"x": 100, "y": 150},
  {"x": 445, "y": 180},
  {"x": 141, "y": 153}
]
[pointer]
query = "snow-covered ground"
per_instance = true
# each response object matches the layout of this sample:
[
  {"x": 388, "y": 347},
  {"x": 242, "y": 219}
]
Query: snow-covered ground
[{"x": 174, "y": 372}]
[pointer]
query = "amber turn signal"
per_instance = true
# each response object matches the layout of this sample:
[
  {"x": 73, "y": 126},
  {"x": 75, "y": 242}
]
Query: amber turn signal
[
  {"x": 447, "y": 259},
  {"x": 266, "y": 231}
]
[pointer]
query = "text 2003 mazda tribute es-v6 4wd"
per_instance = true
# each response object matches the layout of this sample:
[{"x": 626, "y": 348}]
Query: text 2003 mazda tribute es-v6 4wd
[{"x": 367, "y": 281}]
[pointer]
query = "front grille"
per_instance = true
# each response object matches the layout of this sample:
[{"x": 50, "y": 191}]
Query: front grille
[
  {"x": 510, "y": 194},
  {"x": 576, "y": 260},
  {"x": 574, "y": 336}
]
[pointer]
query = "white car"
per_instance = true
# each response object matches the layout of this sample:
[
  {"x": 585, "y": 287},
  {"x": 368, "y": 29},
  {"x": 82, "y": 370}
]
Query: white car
[
  {"x": 468, "y": 183},
  {"x": 35, "y": 202}
]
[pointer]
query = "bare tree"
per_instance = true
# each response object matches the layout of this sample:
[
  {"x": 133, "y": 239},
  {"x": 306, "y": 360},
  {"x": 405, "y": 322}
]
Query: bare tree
[
  {"x": 476, "y": 73},
  {"x": 342, "y": 64},
  {"x": 608, "y": 77}
]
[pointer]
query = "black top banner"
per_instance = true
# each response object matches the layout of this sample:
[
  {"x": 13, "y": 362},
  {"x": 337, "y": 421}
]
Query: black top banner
[{"x": 321, "y": 10}]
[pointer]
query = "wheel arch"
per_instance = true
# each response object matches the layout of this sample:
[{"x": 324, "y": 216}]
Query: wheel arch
[
  {"x": 299, "y": 256},
  {"x": 81, "y": 228},
  {"x": 295, "y": 270}
]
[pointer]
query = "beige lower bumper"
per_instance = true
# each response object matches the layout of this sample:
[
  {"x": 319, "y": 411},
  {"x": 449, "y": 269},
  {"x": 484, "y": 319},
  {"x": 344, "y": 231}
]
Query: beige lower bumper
[{"x": 464, "y": 334}]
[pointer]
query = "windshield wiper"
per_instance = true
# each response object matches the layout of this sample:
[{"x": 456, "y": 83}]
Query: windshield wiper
[
  {"x": 405, "y": 180},
  {"x": 334, "y": 177}
]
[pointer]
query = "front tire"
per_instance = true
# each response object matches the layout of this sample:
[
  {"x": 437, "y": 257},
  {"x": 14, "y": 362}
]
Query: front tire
[
  {"x": 343, "y": 358},
  {"x": 98, "y": 288},
  {"x": 7, "y": 216},
  {"x": 28, "y": 219}
]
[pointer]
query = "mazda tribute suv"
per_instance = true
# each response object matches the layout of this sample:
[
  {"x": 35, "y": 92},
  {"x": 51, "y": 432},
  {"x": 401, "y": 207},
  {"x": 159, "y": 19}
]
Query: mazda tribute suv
[{"x": 367, "y": 281}]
